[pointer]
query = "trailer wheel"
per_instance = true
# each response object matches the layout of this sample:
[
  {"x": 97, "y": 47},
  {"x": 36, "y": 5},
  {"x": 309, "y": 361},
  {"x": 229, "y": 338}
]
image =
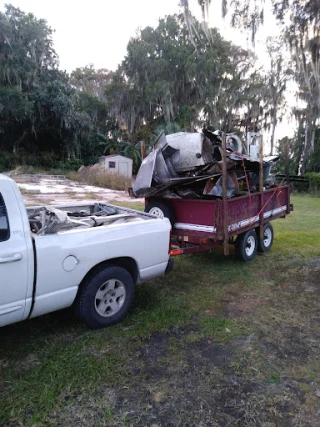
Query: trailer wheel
[
  {"x": 246, "y": 246},
  {"x": 106, "y": 297},
  {"x": 264, "y": 244},
  {"x": 160, "y": 209}
]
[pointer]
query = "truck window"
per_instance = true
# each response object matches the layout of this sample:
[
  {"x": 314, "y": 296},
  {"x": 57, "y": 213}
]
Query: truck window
[{"x": 4, "y": 224}]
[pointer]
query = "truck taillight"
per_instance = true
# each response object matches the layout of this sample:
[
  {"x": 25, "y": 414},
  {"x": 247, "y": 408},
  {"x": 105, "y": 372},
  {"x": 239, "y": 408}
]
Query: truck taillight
[{"x": 170, "y": 241}]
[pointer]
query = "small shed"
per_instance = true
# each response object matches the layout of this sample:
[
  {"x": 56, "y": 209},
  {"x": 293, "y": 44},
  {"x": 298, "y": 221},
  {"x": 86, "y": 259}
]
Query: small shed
[{"x": 114, "y": 163}]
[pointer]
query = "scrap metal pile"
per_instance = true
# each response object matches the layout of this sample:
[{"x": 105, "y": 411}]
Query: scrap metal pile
[
  {"x": 48, "y": 220},
  {"x": 189, "y": 165}
]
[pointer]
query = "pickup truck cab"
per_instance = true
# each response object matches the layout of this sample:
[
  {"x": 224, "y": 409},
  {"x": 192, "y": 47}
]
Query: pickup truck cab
[{"x": 88, "y": 256}]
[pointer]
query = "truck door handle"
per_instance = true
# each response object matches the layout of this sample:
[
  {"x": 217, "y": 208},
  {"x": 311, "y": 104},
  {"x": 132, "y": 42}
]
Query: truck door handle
[{"x": 10, "y": 258}]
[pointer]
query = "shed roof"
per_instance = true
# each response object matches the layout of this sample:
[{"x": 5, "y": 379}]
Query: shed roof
[{"x": 116, "y": 155}]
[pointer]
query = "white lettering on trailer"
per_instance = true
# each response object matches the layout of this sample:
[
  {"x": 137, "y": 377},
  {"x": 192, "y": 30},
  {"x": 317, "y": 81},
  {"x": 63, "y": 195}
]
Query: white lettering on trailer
[{"x": 231, "y": 227}]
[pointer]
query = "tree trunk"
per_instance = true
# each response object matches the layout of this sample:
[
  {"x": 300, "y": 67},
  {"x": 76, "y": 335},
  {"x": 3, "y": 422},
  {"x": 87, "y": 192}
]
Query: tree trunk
[
  {"x": 143, "y": 149},
  {"x": 312, "y": 139},
  {"x": 274, "y": 125},
  {"x": 16, "y": 144},
  {"x": 304, "y": 157},
  {"x": 308, "y": 147},
  {"x": 287, "y": 158}
]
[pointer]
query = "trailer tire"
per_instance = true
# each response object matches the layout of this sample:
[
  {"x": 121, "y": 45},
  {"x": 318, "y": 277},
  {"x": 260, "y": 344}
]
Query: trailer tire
[
  {"x": 106, "y": 297},
  {"x": 160, "y": 209},
  {"x": 246, "y": 246},
  {"x": 264, "y": 245}
]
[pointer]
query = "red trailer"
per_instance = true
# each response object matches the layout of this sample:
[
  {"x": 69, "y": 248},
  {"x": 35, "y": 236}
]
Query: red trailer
[{"x": 199, "y": 225}]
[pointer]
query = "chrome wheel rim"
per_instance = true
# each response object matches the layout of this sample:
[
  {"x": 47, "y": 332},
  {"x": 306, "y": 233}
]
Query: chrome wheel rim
[{"x": 110, "y": 298}]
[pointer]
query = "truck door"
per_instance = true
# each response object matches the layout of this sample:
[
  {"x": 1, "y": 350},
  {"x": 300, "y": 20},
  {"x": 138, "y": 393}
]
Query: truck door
[{"x": 13, "y": 260}]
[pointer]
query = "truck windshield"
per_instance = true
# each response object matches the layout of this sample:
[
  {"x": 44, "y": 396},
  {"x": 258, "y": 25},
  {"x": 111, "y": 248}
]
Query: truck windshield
[{"x": 4, "y": 225}]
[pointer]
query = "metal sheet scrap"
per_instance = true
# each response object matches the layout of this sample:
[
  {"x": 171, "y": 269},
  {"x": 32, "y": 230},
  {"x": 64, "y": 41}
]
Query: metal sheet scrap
[
  {"x": 49, "y": 220},
  {"x": 189, "y": 165}
]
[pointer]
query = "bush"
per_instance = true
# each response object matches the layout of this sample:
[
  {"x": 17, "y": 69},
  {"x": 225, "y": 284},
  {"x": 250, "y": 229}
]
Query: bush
[
  {"x": 314, "y": 181},
  {"x": 69, "y": 165},
  {"x": 6, "y": 161},
  {"x": 97, "y": 176},
  {"x": 41, "y": 161}
]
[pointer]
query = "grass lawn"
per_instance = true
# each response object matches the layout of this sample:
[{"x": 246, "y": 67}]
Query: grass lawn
[{"x": 215, "y": 343}]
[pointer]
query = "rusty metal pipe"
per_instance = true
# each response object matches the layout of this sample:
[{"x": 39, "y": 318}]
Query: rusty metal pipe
[
  {"x": 224, "y": 197},
  {"x": 261, "y": 186}
]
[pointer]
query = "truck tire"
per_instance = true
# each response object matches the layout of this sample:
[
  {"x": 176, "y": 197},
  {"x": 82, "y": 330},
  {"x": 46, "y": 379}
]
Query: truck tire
[
  {"x": 160, "y": 209},
  {"x": 264, "y": 245},
  {"x": 246, "y": 246},
  {"x": 106, "y": 297}
]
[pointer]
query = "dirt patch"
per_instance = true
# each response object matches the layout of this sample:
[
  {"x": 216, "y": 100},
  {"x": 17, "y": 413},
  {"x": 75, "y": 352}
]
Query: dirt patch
[
  {"x": 203, "y": 387},
  {"x": 245, "y": 304},
  {"x": 86, "y": 411},
  {"x": 293, "y": 346},
  {"x": 250, "y": 381},
  {"x": 312, "y": 281},
  {"x": 315, "y": 262},
  {"x": 29, "y": 362},
  {"x": 156, "y": 347}
]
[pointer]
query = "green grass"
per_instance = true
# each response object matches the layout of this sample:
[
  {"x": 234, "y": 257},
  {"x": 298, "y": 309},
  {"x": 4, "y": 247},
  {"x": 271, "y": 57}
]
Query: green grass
[
  {"x": 299, "y": 233},
  {"x": 191, "y": 342},
  {"x": 23, "y": 191},
  {"x": 137, "y": 205},
  {"x": 218, "y": 328}
]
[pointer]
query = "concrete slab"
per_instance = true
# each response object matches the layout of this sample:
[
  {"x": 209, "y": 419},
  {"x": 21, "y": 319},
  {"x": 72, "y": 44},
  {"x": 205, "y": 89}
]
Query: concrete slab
[{"x": 44, "y": 190}]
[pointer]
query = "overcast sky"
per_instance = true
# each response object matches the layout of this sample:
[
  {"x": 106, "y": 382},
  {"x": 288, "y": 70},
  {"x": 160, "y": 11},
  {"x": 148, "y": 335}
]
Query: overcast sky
[{"x": 98, "y": 31}]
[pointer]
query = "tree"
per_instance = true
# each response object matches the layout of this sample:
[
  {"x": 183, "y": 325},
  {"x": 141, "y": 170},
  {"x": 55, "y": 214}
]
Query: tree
[
  {"x": 300, "y": 24},
  {"x": 26, "y": 48},
  {"x": 124, "y": 102},
  {"x": 91, "y": 81},
  {"x": 133, "y": 151},
  {"x": 159, "y": 69},
  {"x": 45, "y": 116},
  {"x": 91, "y": 85},
  {"x": 276, "y": 80},
  {"x": 300, "y": 16},
  {"x": 27, "y": 61},
  {"x": 167, "y": 78}
]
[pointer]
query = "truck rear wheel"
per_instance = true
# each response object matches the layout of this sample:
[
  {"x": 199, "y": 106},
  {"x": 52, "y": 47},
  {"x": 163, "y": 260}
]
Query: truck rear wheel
[
  {"x": 264, "y": 244},
  {"x": 106, "y": 297},
  {"x": 246, "y": 246}
]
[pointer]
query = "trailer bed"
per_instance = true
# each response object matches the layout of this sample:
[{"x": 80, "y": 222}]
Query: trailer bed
[{"x": 200, "y": 224}]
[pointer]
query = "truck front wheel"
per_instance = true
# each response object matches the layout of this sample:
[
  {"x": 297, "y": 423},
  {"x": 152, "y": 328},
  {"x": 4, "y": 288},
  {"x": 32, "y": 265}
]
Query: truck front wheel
[{"x": 106, "y": 297}]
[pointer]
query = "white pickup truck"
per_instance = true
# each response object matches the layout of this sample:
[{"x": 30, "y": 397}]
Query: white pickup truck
[{"x": 89, "y": 256}]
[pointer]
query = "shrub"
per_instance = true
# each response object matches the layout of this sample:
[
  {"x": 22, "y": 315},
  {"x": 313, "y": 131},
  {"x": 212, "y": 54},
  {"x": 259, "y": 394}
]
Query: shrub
[
  {"x": 314, "y": 181},
  {"x": 6, "y": 161},
  {"x": 69, "y": 165},
  {"x": 97, "y": 176}
]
